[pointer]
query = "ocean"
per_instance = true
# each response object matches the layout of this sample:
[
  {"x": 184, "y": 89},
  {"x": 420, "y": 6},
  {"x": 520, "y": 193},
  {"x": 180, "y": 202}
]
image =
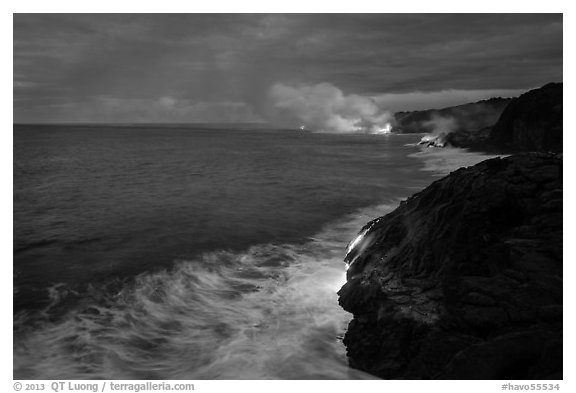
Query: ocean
[{"x": 196, "y": 251}]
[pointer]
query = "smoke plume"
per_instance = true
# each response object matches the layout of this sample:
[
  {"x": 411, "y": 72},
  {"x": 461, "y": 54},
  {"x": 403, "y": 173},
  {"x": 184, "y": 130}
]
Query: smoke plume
[{"x": 325, "y": 108}]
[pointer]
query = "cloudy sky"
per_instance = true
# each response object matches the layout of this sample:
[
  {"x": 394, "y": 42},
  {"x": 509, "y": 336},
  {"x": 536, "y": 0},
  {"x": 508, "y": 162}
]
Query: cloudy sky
[{"x": 186, "y": 68}]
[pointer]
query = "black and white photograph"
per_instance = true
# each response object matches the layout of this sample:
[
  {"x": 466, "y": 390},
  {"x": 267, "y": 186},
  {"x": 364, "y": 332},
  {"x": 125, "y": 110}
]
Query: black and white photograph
[{"x": 287, "y": 196}]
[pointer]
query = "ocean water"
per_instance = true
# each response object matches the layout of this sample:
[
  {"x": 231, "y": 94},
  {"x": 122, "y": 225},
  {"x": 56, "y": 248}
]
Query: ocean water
[{"x": 195, "y": 252}]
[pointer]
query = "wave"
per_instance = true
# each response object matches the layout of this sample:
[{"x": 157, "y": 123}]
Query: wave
[
  {"x": 270, "y": 312},
  {"x": 51, "y": 242}
]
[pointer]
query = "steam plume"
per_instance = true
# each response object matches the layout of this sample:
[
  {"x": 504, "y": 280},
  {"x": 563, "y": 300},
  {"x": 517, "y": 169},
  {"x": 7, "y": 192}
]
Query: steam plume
[
  {"x": 325, "y": 108},
  {"x": 440, "y": 125}
]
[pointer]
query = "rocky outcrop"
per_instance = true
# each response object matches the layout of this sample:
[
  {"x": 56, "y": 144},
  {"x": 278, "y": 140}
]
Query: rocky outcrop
[
  {"x": 532, "y": 122},
  {"x": 466, "y": 117},
  {"x": 464, "y": 279},
  {"x": 474, "y": 139}
]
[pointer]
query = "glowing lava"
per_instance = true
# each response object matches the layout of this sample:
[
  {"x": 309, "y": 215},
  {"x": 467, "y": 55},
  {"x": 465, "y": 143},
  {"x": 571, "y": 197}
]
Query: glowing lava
[{"x": 387, "y": 129}]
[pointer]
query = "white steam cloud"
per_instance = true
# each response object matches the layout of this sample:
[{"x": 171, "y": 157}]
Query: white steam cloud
[
  {"x": 325, "y": 108},
  {"x": 441, "y": 125}
]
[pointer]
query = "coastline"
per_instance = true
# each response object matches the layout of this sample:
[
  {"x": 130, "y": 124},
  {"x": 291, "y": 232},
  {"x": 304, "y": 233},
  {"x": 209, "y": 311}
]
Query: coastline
[
  {"x": 302, "y": 277},
  {"x": 464, "y": 279},
  {"x": 442, "y": 161}
]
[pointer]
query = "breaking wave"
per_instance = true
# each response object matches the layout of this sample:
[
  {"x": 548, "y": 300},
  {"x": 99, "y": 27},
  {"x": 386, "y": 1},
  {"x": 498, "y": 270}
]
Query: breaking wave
[{"x": 270, "y": 312}]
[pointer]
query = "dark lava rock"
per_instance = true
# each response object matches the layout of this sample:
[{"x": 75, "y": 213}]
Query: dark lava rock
[
  {"x": 470, "y": 138},
  {"x": 466, "y": 117},
  {"x": 464, "y": 279},
  {"x": 531, "y": 122}
]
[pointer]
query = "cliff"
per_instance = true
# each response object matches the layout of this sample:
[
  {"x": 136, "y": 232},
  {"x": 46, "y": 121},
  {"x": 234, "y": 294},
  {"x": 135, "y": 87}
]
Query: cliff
[
  {"x": 464, "y": 279},
  {"x": 466, "y": 117},
  {"x": 532, "y": 122}
]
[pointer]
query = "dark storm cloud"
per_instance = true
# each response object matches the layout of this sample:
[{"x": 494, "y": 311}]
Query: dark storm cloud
[{"x": 221, "y": 67}]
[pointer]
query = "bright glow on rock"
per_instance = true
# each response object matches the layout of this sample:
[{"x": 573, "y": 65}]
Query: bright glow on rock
[
  {"x": 340, "y": 281},
  {"x": 355, "y": 242}
]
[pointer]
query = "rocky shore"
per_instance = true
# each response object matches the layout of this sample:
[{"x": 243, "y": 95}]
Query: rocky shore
[
  {"x": 471, "y": 116},
  {"x": 531, "y": 122},
  {"x": 464, "y": 279}
]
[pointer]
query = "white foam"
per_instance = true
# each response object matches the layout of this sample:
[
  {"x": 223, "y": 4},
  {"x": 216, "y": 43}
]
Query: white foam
[
  {"x": 442, "y": 161},
  {"x": 268, "y": 312}
]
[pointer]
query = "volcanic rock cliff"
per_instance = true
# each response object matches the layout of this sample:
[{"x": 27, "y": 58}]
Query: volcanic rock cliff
[
  {"x": 467, "y": 117},
  {"x": 531, "y": 122},
  {"x": 464, "y": 279}
]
